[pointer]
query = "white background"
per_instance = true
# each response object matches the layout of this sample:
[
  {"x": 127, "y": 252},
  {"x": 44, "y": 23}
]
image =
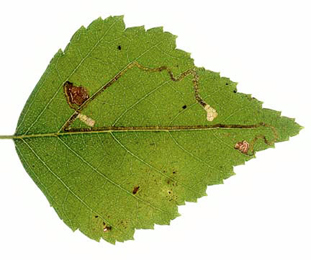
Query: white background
[{"x": 261, "y": 213}]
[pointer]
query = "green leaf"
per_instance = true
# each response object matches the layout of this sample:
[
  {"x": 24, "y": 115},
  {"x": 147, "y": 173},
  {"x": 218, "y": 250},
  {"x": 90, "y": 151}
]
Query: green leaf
[{"x": 123, "y": 127}]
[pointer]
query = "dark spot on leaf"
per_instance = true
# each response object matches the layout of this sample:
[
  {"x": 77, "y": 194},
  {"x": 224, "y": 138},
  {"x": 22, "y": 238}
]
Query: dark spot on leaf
[
  {"x": 135, "y": 190},
  {"x": 119, "y": 47},
  {"x": 96, "y": 216},
  {"x": 75, "y": 95},
  {"x": 227, "y": 83},
  {"x": 169, "y": 192},
  {"x": 106, "y": 227},
  {"x": 174, "y": 172},
  {"x": 235, "y": 91},
  {"x": 184, "y": 106},
  {"x": 152, "y": 143}
]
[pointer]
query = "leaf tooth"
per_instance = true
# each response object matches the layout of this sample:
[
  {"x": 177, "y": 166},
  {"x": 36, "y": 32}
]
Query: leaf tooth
[
  {"x": 158, "y": 29},
  {"x": 136, "y": 29},
  {"x": 118, "y": 17},
  {"x": 75, "y": 38}
]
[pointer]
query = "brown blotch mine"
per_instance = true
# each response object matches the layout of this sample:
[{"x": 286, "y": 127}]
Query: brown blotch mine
[
  {"x": 242, "y": 146},
  {"x": 75, "y": 95},
  {"x": 135, "y": 190}
]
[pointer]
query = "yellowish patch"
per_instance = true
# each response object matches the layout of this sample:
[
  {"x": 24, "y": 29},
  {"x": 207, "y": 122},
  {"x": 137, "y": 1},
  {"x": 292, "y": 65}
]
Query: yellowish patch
[
  {"x": 86, "y": 120},
  {"x": 211, "y": 113}
]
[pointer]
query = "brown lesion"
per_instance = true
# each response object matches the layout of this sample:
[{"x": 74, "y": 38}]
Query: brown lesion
[
  {"x": 247, "y": 148},
  {"x": 106, "y": 228},
  {"x": 242, "y": 146},
  {"x": 75, "y": 96},
  {"x": 135, "y": 189}
]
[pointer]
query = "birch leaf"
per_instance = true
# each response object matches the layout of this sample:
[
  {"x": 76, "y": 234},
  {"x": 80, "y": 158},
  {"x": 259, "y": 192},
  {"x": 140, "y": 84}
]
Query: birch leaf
[{"x": 123, "y": 127}]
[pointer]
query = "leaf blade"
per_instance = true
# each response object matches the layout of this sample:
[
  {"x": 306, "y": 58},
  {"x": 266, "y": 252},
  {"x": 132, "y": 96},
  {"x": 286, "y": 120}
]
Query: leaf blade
[{"x": 154, "y": 144}]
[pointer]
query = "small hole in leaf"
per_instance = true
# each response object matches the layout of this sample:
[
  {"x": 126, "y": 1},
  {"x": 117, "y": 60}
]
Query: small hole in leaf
[
  {"x": 119, "y": 47},
  {"x": 235, "y": 91},
  {"x": 227, "y": 83},
  {"x": 184, "y": 106}
]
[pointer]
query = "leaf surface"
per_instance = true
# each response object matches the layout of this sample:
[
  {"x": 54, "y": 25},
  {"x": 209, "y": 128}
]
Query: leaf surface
[{"x": 123, "y": 127}]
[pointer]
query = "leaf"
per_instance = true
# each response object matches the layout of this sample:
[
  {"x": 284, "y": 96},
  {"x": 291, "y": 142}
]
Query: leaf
[{"x": 123, "y": 127}]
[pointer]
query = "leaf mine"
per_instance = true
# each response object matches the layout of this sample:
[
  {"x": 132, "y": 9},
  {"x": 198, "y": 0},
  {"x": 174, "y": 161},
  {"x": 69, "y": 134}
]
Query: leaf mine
[
  {"x": 242, "y": 146},
  {"x": 75, "y": 95},
  {"x": 211, "y": 113},
  {"x": 87, "y": 120}
]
